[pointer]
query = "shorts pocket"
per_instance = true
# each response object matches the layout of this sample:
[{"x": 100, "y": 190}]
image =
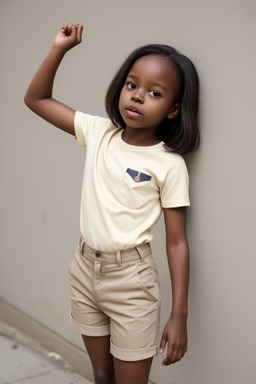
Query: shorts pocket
[{"x": 148, "y": 278}]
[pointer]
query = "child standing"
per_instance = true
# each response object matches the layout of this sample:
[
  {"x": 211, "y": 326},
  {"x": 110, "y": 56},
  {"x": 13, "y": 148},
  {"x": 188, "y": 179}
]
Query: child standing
[{"x": 133, "y": 171}]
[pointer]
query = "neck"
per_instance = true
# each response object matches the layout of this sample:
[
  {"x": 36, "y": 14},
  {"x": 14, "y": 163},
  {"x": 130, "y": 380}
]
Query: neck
[{"x": 139, "y": 137}]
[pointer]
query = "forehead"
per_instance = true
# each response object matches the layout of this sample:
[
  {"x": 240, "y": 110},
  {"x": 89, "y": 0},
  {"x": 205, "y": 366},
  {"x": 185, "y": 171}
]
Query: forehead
[{"x": 154, "y": 68}]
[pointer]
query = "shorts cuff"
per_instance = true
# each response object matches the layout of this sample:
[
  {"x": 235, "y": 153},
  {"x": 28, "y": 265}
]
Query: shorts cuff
[
  {"x": 132, "y": 354},
  {"x": 87, "y": 330}
]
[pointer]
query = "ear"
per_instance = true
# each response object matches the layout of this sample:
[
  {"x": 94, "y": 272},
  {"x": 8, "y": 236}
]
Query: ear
[{"x": 174, "y": 112}]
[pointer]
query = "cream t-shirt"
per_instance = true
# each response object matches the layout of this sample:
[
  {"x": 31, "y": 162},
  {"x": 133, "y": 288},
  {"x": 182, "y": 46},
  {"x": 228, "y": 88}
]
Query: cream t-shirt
[{"x": 124, "y": 186}]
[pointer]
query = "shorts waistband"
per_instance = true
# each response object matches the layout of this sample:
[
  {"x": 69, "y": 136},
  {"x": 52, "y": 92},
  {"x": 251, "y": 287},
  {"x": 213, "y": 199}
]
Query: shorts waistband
[{"x": 124, "y": 256}]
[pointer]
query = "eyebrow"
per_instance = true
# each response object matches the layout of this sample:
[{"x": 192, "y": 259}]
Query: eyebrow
[{"x": 153, "y": 83}]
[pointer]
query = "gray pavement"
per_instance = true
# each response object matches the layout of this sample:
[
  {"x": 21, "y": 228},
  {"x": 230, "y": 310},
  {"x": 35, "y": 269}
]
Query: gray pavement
[{"x": 24, "y": 361}]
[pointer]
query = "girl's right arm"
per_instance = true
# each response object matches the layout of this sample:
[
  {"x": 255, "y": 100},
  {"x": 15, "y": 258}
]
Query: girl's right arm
[{"x": 39, "y": 94}]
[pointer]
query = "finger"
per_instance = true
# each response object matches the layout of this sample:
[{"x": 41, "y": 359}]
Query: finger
[
  {"x": 72, "y": 29},
  {"x": 79, "y": 32},
  {"x": 170, "y": 355},
  {"x": 64, "y": 28},
  {"x": 168, "y": 359},
  {"x": 67, "y": 29},
  {"x": 174, "y": 355},
  {"x": 162, "y": 345}
]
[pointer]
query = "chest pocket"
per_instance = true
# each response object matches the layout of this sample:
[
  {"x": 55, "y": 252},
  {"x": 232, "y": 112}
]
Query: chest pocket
[{"x": 136, "y": 188}]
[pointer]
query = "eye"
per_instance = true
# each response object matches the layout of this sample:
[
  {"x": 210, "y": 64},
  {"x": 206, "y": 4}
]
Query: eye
[
  {"x": 155, "y": 94},
  {"x": 131, "y": 85}
]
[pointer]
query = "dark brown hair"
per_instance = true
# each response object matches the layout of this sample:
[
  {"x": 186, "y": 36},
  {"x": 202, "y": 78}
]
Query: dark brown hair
[{"x": 180, "y": 134}]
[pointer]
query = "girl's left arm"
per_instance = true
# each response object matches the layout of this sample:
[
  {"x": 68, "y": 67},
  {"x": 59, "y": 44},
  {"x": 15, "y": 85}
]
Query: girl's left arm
[{"x": 175, "y": 331}]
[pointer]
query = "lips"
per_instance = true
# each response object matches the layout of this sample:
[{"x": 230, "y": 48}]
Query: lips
[{"x": 133, "y": 111}]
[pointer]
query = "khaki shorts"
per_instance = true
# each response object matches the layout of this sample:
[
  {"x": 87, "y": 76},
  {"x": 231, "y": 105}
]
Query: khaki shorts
[{"x": 117, "y": 294}]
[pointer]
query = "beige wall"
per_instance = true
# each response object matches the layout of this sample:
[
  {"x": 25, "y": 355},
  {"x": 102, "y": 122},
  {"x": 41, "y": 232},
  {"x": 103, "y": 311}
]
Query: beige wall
[{"x": 41, "y": 168}]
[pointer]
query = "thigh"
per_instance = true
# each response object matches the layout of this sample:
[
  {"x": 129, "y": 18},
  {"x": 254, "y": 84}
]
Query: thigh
[
  {"x": 86, "y": 316},
  {"x": 98, "y": 349},
  {"x": 132, "y": 302},
  {"x": 132, "y": 372}
]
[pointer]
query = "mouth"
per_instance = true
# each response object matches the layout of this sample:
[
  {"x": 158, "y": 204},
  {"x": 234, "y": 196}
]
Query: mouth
[{"x": 133, "y": 111}]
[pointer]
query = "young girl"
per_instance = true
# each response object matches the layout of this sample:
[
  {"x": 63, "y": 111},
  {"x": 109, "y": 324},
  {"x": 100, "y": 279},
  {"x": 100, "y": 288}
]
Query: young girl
[{"x": 133, "y": 170}]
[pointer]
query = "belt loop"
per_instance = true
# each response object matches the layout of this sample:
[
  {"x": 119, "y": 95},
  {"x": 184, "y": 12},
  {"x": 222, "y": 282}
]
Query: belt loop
[
  {"x": 138, "y": 249},
  {"x": 118, "y": 259}
]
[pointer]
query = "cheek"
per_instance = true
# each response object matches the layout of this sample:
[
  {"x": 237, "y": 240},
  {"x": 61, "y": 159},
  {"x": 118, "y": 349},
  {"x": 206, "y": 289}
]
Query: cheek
[
  {"x": 160, "y": 110},
  {"x": 121, "y": 103},
  {"x": 121, "y": 98}
]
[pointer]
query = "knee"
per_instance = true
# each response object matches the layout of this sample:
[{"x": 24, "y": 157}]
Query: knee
[{"x": 104, "y": 377}]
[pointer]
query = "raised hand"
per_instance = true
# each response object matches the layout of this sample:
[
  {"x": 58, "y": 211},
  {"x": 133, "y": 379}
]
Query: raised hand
[
  {"x": 69, "y": 36},
  {"x": 39, "y": 94}
]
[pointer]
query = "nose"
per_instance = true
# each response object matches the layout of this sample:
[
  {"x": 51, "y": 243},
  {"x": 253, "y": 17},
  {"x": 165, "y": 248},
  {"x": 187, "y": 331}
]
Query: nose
[{"x": 137, "y": 96}]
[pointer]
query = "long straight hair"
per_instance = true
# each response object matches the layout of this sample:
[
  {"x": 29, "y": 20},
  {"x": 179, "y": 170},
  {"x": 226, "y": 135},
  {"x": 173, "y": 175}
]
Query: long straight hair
[{"x": 180, "y": 134}]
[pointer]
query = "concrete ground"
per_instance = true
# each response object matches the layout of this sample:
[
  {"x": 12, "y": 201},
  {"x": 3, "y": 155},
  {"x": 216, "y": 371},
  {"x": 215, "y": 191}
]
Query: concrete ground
[{"x": 24, "y": 361}]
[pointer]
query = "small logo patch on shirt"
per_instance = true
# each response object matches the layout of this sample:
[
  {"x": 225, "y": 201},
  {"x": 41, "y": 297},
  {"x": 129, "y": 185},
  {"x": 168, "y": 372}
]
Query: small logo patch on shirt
[{"x": 138, "y": 176}]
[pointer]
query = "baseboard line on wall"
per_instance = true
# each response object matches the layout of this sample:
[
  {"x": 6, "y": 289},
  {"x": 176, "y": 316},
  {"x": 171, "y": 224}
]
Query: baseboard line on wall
[{"x": 77, "y": 359}]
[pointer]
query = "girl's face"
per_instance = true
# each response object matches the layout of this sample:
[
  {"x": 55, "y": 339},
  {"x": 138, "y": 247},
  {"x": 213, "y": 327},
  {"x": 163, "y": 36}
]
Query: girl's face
[{"x": 149, "y": 93}]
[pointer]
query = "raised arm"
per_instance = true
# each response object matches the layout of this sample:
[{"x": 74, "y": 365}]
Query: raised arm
[
  {"x": 39, "y": 94},
  {"x": 175, "y": 331}
]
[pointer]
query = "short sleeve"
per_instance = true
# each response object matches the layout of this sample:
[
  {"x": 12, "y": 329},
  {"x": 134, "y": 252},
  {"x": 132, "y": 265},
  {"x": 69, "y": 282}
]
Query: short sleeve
[
  {"x": 83, "y": 123},
  {"x": 175, "y": 189},
  {"x": 88, "y": 127}
]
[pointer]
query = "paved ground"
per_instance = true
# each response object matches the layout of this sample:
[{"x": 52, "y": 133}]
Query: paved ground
[{"x": 23, "y": 361}]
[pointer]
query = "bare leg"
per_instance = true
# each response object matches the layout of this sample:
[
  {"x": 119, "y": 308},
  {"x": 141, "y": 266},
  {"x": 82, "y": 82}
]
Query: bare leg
[
  {"x": 98, "y": 349},
  {"x": 132, "y": 372}
]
